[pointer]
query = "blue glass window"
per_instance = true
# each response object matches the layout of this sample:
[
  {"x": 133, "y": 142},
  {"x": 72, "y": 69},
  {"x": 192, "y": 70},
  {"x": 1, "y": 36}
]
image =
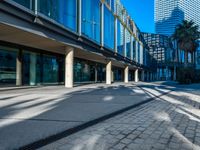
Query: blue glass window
[
  {"x": 120, "y": 38},
  {"x": 128, "y": 44},
  {"x": 138, "y": 49},
  {"x": 91, "y": 19},
  {"x": 108, "y": 29},
  {"x": 25, "y": 3},
  {"x": 133, "y": 40},
  {"x": 62, "y": 11}
]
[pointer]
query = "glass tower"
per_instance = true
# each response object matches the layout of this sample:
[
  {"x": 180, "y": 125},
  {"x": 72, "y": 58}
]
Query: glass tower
[{"x": 169, "y": 13}]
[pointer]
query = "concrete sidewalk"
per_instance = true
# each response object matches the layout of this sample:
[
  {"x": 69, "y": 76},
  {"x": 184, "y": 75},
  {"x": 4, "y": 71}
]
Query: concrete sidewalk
[{"x": 29, "y": 115}]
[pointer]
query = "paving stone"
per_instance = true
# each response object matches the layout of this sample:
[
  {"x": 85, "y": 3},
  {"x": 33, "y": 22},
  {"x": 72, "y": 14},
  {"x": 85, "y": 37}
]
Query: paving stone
[{"x": 157, "y": 125}]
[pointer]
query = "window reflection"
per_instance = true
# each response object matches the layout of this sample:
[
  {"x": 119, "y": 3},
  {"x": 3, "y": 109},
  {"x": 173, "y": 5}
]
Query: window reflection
[
  {"x": 120, "y": 37},
  {"x": 108, "y": 29},
  {"x": 7, "y": 66},
  {"x": 63, "y": 11},
  {"x": 91, "y": 19}
]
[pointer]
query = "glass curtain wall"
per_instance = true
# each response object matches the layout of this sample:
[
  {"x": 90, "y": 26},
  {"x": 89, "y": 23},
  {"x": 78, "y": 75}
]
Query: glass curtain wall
[
  {"x": 108, "y": 28},
  {"x": 138, "y": 52},
  {"x": 118, "y": 74},
  {"x": 88, "y": 71},
  {"x": 62, "y": 11},
  {"x": 91, "y": 19},
  {"x": 7, "y": 66},
  {"x": 42, "y": 69},
  {"x": 83, "y": 71},
  {"x": 128, "y": 44},
  {"x": 25, "y": 3},
  {"x": 134, "y": 48},
  {"x": 120, "y": 38}
]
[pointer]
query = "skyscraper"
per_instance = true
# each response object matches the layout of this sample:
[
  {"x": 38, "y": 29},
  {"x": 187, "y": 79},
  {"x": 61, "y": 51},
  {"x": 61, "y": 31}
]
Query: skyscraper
[{"x": 169, "y": 13}]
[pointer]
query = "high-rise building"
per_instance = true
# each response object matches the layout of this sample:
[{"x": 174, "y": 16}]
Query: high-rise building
[{"x": 169, "y": 13}]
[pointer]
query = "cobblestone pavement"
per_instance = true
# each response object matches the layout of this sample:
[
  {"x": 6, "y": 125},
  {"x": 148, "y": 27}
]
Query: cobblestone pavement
[{"x": 170, "y": 122}]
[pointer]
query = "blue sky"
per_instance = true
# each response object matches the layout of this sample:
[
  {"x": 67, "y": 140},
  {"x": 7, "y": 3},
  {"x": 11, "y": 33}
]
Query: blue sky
[{"x": 142, "y": 12}]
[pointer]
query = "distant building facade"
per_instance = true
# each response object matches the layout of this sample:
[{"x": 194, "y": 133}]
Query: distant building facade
[
  {"x": 169, "y": 13},
  {"x": 163, "y": 55}
]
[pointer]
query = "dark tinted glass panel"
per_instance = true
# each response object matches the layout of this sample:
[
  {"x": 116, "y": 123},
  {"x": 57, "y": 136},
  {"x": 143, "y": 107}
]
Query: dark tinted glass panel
[
  {"x": 88, "y": 71},
  {"x": 25, "y": 3},
  {"x": 31, "y": 68},
  {"x": 42, "y": 69},
  {"x": 7, "y": 66},
  {"x": 50, "y": 69},
  {"x": 101, "y": 73},
  {"x": 118, "y": 74},
  {"x": 91, "y": 19},
  {"x": 83, "y": 71}
]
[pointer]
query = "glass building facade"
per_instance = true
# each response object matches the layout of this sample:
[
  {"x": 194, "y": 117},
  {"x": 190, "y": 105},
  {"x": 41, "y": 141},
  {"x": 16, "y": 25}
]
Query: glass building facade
[
  {"x": 65, "y": 12},
  {"x": 86, "y": 19}
]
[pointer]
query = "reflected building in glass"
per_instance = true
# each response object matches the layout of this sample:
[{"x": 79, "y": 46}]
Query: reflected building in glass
[{"x": 169, "y": 13}]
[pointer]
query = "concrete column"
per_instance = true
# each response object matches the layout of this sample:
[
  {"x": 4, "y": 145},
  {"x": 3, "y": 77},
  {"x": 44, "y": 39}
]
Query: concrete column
[
  {"x": 143, "y": 78},
  {"x": 136, "y": 75},
  {"x": 19, "y": 68},
  {"x": 109, "y": 72},
  {"x": 126, "y": 70},
  {"x": 69, "y": 62},
  {"x": 174, "y": 75},
  {"x": 32, "y": 71}
]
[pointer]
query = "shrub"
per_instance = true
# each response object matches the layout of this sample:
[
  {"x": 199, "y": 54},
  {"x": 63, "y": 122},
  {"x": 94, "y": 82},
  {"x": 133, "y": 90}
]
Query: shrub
[{"x": 187, "y": 75}]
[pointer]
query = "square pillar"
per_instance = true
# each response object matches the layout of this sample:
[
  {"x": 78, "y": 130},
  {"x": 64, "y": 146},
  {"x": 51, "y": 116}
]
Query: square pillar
[
  {"x": 109, "y": 72},
  {"x": 69, "y": 68},
  {"x": 136, "y": 75},
  {"x": 19, "y": 68},
  {"x": 126, "y": 70}
]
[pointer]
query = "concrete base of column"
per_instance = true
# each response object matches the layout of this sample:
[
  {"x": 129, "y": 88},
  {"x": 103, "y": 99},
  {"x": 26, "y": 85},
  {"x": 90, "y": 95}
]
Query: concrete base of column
[
  {"x": 109, "y": 72},
  {"x": 69, "y": 62}
]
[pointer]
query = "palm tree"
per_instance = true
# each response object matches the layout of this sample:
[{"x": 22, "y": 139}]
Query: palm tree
[{"x": 186, "y": 34}]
